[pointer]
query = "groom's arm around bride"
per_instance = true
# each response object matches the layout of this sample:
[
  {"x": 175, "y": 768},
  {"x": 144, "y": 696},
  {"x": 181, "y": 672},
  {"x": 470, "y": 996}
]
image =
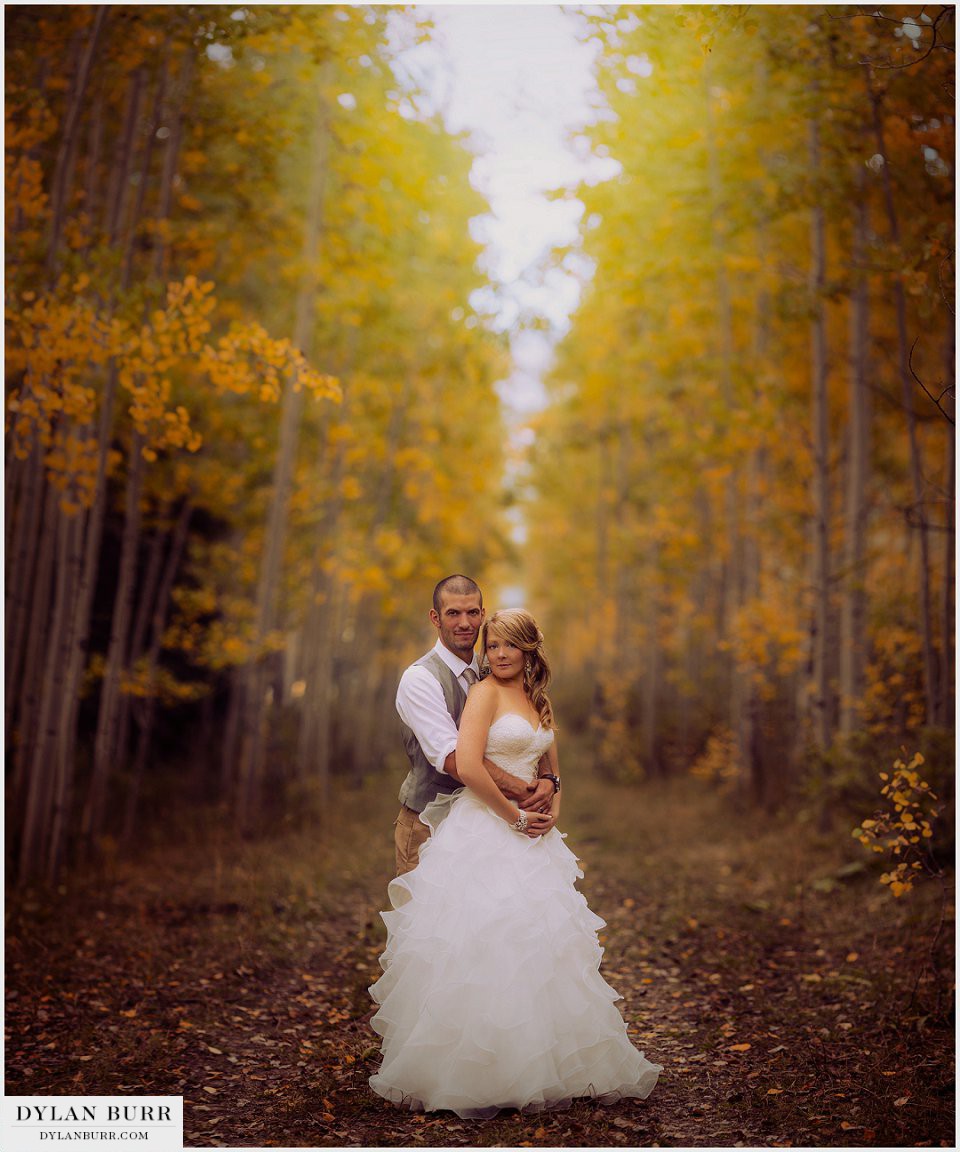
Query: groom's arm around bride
[{"x": 430, "y": 700}]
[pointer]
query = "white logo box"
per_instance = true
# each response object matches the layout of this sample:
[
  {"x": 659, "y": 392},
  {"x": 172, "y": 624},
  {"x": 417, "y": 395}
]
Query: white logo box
[{"x": 34, "y": 1123}]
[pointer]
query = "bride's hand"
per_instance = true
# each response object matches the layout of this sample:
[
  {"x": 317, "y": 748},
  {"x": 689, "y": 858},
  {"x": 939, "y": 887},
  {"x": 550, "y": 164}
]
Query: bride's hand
[{"x": 539, "y": 823}]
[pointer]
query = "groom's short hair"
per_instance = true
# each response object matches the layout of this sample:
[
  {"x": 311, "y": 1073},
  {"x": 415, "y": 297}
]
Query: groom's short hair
[{"x": 456, "y": 585}]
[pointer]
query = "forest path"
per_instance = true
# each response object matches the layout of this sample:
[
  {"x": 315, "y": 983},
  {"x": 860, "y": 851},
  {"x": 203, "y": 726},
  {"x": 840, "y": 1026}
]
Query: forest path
[{"x": 771, "y": 982}]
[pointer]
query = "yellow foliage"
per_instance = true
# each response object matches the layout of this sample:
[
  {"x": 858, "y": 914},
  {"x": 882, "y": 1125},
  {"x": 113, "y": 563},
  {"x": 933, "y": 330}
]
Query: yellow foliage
[
  {"x": 902, "y": 831},
  {"x": 718, "y": 763},
  {"x": 248, "y": 359}
]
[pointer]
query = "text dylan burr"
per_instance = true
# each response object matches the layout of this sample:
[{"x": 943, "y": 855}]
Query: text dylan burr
[{"x": 129, "y": 1113}]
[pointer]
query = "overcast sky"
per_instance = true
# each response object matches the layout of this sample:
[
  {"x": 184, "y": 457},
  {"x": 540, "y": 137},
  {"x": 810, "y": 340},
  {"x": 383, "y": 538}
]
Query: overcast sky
[{"x": 520, "y": 82}]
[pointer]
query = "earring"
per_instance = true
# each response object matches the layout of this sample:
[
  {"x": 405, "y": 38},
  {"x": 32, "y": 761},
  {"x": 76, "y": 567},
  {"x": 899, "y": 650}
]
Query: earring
[{"x": 527, "y": 666}]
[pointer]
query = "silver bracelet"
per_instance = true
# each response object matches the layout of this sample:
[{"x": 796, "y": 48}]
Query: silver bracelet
[{"x": 521, "y": 824}]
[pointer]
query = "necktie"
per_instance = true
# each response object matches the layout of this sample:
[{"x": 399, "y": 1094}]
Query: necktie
[{"x": 470, "y": 676}]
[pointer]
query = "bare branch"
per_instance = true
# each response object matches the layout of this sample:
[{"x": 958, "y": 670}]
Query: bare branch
[
  {"x": 934, "y": 27},
  {"x": 936, "y": 399}
]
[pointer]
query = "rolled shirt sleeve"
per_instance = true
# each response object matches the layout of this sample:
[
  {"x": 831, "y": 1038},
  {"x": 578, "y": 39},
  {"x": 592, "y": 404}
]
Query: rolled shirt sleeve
[{"x": 422, "y": 708}]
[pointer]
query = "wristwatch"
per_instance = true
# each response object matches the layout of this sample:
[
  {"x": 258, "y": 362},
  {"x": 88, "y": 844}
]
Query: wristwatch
[{"x": 554, "y": 779}]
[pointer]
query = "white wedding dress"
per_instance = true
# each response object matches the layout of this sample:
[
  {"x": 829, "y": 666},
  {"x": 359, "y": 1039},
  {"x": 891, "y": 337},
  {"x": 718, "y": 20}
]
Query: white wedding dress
[{"x": 491, "y": 995}]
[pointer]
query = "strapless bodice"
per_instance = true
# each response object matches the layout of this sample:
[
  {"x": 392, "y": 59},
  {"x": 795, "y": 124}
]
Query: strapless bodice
[{"x": 514, "y": 745}]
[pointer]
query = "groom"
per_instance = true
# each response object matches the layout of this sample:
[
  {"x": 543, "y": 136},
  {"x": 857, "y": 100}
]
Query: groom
[{"x": 430, "y": 700}]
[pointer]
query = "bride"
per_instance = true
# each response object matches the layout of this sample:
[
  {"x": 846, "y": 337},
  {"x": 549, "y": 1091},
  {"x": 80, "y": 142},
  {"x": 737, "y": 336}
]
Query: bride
[{"x": 491, "y": 995}]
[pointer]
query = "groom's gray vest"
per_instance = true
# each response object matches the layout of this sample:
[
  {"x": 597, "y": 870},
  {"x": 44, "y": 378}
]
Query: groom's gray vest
[{"x": 424, "y": 782}]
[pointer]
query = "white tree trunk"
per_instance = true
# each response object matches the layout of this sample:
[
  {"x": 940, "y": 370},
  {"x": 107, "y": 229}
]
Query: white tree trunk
[{"x": 253, "y": 720}]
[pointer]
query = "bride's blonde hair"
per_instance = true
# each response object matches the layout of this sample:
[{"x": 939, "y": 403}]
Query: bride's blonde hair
[{"x": 519, "y": 628}]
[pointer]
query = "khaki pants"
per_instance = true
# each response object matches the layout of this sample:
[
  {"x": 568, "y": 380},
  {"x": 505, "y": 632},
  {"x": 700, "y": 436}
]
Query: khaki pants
[{"x": 409, "y": 834}]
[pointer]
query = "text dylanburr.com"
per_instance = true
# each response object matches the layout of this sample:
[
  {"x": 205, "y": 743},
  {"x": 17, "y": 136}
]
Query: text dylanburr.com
[{"x": 153, "y": 1123}]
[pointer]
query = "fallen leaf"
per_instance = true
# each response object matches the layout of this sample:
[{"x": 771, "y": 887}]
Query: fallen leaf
[
  {"x": 774, "y": 1091},
  {"x": 739, "y": 1048},
  {"x": 900, "y": 1103}
]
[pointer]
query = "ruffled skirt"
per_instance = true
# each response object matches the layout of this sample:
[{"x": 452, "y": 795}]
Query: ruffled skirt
[{"x": 491, "y": 995}]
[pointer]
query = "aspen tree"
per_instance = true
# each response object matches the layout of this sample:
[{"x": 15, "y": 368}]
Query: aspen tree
[{"x": 853, "y": 634}]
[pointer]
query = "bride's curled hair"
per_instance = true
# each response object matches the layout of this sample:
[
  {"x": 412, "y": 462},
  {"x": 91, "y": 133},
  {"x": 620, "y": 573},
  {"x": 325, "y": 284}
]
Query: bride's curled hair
[{"x": 518, "y": 627}]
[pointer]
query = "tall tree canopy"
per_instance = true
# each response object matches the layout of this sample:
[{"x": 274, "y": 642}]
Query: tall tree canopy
[
  {"x": 755, "y": 399},
  {"x": 250, "y": 406}
]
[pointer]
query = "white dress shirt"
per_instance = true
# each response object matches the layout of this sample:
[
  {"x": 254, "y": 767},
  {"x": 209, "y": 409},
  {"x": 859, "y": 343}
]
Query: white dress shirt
[{"x": 422, "y": 708}]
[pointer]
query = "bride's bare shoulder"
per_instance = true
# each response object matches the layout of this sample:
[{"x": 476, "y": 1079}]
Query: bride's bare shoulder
[
  {"x": 485, "y": 688},
  {"x": 481, "y": 702}
]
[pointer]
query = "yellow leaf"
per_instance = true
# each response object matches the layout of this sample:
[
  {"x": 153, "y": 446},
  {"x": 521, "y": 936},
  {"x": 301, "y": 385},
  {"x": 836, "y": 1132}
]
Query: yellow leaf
[{"x": 739, "y": 1048}]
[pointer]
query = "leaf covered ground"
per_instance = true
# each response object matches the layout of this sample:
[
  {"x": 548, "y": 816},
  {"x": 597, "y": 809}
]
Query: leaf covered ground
[{"x": 790, "y": 999}]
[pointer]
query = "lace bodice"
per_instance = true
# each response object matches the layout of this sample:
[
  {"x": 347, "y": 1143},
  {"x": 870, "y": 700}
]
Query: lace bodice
[{"x": 514, "y": 745}]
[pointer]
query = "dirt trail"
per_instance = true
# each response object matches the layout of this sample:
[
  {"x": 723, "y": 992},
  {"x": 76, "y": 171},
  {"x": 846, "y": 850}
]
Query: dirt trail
[{"x": 769, "y": 982}]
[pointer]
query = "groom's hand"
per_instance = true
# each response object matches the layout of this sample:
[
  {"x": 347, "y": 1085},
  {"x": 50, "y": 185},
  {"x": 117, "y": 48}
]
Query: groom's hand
[
  {"x": 515, "y": 789},
  {"x": 539, "y": 798}
]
